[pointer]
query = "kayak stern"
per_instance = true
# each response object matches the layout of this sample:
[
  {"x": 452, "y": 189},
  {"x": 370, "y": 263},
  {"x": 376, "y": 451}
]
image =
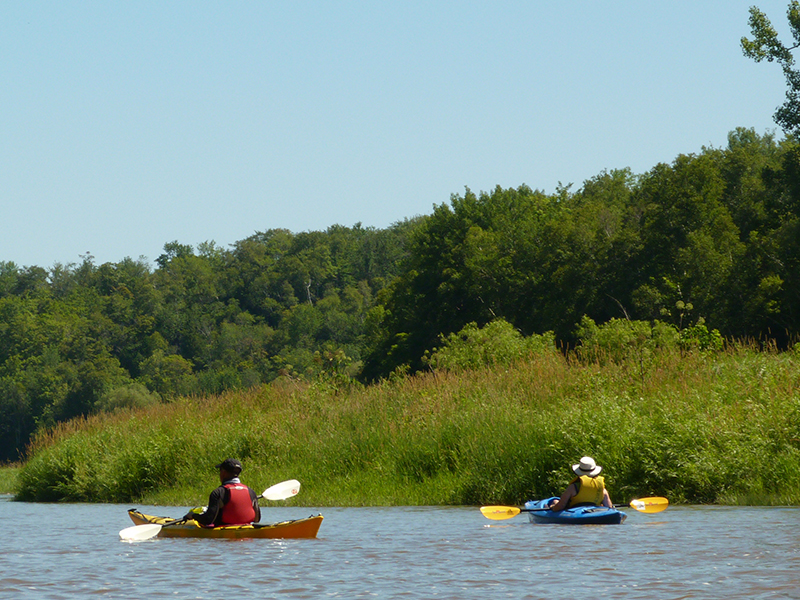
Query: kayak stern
[{"x": 578, "y": 515}]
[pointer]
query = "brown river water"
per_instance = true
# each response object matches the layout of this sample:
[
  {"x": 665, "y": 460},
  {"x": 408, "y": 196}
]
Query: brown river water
[{"x": 65, "y": 551}]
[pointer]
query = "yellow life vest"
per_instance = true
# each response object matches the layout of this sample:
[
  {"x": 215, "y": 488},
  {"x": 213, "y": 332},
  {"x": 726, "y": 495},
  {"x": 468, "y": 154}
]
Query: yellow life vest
[{"x": 590, "y": 490}]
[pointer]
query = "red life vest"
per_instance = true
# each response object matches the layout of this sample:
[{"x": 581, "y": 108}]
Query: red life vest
[{"x": 239, "y": 509}]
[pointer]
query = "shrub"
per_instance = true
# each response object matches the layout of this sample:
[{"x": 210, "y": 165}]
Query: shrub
[
  {"x": 620, "y": 339},
  {"x": 498, "y": 343},
  {"x": 699, "y": 337},
  {"x": 134, "y": 395}
]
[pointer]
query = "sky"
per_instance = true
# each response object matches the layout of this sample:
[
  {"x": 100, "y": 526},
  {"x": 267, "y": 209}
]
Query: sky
[{"x": 128, "y": 125}]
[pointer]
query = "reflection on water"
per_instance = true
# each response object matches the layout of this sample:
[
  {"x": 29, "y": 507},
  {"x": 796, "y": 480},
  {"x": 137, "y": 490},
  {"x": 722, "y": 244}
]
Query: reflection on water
[{"x": 64, "y": 551}]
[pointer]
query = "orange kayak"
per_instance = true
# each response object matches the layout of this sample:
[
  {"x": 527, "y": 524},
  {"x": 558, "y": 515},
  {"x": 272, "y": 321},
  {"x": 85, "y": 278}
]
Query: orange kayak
[{"x": 298, "y": 528}]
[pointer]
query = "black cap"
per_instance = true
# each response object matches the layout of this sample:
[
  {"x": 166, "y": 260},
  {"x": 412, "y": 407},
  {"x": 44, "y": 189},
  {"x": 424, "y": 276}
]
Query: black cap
[{"x": 231, "y": 465}]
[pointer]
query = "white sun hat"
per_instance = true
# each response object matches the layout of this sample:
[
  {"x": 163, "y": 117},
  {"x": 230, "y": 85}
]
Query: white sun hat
[{"x": 587, "y": 466}]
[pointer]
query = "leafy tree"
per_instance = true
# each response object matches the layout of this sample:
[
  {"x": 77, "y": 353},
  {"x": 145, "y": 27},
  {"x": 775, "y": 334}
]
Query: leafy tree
[
  {"x": 170, "y": 375},
  {"x": 31, "y": 281},
  {"x": 173, "y": 250},
  {"x": 584, "y": 254},
  {"x": 746, "y": 166},
  {"x": 765, "y": 45},
  {"x": 467, "y": 262},
  {"x": 690, "y": 246},
  {"x": 191, "y": 305},
  {"x": 9, "y": 273}
]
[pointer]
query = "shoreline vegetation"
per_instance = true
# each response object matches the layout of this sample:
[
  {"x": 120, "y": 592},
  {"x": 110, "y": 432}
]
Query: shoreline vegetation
[
  {"x": 8, "y": 478},
  {"x": 696, "y": 427}
]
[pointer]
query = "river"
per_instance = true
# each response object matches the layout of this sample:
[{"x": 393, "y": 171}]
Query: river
[{"x": 65, "y": 551}]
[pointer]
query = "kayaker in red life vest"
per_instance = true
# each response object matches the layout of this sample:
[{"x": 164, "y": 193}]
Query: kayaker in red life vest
[
  {"x": 587, "y": 488},
  {"x": 232, "y": 503}
]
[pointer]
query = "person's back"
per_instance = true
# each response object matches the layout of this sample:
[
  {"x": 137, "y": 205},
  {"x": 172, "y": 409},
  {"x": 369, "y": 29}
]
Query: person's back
[
  {"x": 238, "y": 504},
  {"x": 587, "y": 488},
  {"x": 232, "y": 503},
  {"x": 589, "y": 491}
]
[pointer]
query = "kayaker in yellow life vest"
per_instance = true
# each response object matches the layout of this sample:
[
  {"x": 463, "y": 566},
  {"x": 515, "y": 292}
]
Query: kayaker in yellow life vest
[{"x": 587, "y": 488}]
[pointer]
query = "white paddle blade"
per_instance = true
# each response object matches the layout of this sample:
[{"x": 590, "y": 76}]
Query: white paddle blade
[
  {"x": 140, "y": 532},
  {"x": 282, "y": 490}
]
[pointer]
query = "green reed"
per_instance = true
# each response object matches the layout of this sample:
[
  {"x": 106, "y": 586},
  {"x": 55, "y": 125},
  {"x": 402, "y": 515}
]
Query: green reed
[
  {"x": 707, "y": 428},
  {"x": 8, "y": 479}
]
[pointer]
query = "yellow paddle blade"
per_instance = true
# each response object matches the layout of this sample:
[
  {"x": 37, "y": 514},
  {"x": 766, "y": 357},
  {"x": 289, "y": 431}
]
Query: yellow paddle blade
[
  {"x": 650, "y": 505},
  {"x": 499, "y": 513}
]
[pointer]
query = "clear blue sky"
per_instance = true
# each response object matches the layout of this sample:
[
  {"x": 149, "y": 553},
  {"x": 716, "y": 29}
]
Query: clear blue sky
[{"x": 126, "y": 125}]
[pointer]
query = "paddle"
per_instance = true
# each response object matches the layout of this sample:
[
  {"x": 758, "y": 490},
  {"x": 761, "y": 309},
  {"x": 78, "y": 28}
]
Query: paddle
[
  {"x": 144, "y": 532},
  {"x": 650, "y": 505},
  {"x": 279, "y": 491},
  {"x": 282, "y": 490},
  {"x": 501, "y": 513}
]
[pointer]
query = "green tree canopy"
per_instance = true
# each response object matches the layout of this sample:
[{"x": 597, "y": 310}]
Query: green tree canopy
[{"x": 765, "y": 45}]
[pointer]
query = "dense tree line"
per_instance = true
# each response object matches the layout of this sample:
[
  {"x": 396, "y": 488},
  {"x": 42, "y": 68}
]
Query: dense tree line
[
  {"x": 711, "y": 238},
  {"x": 77, "y": 339}
]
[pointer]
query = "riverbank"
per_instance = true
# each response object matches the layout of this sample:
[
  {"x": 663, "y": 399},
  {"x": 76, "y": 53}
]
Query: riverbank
[{"x": 698, "y": 428}]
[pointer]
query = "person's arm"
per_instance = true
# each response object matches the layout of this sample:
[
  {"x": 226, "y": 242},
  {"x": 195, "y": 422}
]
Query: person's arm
[
  {"x": 563, "y": 502},
  {"x": 215, "y": 504},
  {"x": 607, "y": 499},
  {"x": 256, "y": 507}
]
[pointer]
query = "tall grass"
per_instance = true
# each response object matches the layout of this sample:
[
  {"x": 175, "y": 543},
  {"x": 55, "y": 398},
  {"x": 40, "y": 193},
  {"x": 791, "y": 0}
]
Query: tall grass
[
  {"x": 707, "y": 428},
  {"x": 8, "y": 478}
]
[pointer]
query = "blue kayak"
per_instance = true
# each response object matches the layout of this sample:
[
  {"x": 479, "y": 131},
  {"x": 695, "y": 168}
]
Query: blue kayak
[{"x": 578, "y": 515}]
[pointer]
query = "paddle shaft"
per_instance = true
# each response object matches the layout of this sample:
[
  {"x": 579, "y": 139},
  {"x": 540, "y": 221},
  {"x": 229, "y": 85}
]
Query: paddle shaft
[
  {"x": 546, "y": 509},
  {"x": 615, "y": 507}
]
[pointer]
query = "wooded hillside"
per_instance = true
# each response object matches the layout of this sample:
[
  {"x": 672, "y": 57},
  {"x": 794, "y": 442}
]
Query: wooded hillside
[{"x": 712, "y": 238}]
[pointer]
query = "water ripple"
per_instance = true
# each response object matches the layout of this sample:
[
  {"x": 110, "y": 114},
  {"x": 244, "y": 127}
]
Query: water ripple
[{"x": 409, "y": 553}]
